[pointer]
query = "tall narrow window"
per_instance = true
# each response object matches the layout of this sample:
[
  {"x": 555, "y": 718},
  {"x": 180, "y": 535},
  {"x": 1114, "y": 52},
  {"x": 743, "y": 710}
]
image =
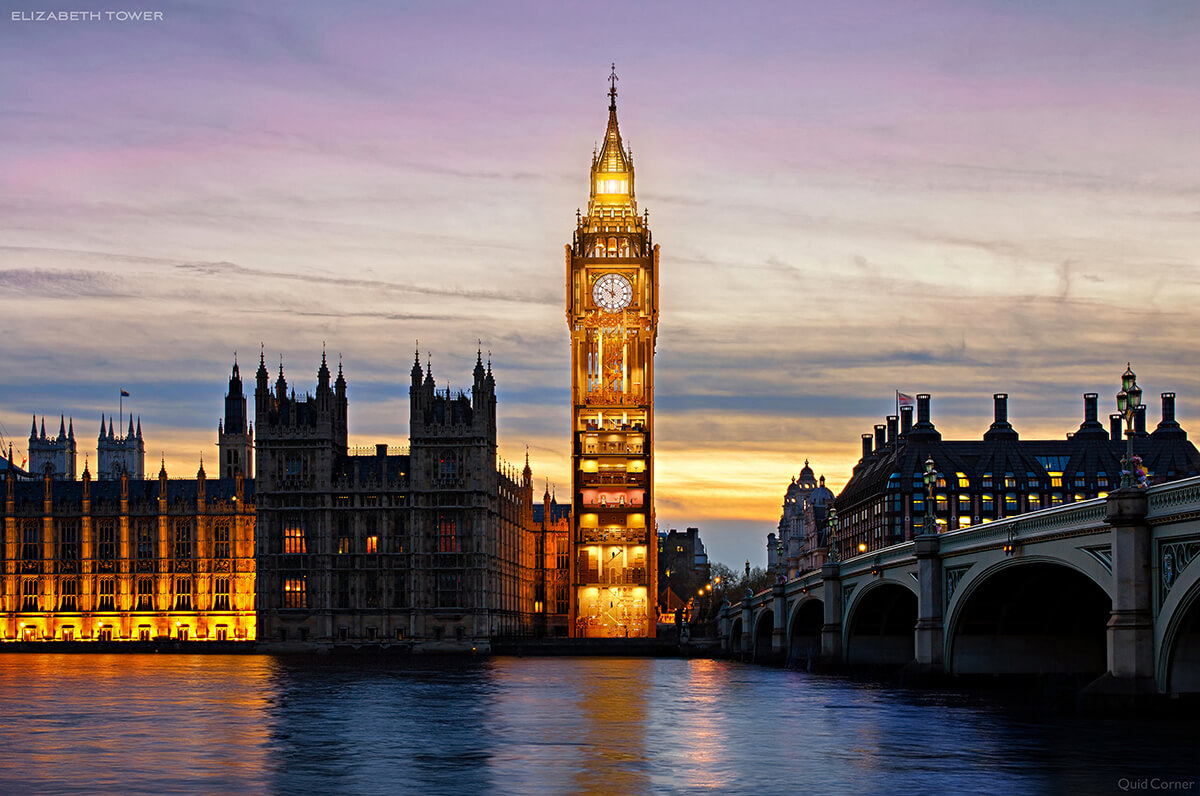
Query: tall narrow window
[
  {"x": 221, "y": 539},
  {"x": 371, "y": 590},
  {"x": 448, "y": 466},
  {"x": 68, "y": 589},
  {"x": 29, "y": 594},
  {"x": 183, "y": 539},
  {"x": 31, "y": 547},
  {"x": 220, "y": 594},
  {"x": 107, "y": 592},
  {"x": 68, "y": 540},
  {"x": 293, "y": 536},
  {"x": 295, "y": 593},
  {"x": 106, "y": 539},
  {"x": 145, "y": 594},
  {"x": 449, "y": 534},
  {"x": 449, "y": 590},
  {"x": 183, "y": 594},
  {"x": 145, "y": 540}
]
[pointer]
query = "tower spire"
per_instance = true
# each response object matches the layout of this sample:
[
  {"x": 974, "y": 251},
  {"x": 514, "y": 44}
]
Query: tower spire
[{"x": 612, "y": 88}]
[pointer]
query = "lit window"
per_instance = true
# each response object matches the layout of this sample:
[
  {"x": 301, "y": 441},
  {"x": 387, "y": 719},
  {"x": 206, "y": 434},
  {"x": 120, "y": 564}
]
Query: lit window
[
  {"x": 145, "y": 594},
  {"x": 29, "y": 595},
  {"x": 107, "y": 590},
  {"x": 372, "y": 545},
  {"x": 295, "y": 594},
  {"x": 449, "y": 534},
  {"x": 293, "y": 537},
  {"x": 221, "y": 594},
  {"x": 183, "y": 594},
  {"x": 67, "y": 591}
]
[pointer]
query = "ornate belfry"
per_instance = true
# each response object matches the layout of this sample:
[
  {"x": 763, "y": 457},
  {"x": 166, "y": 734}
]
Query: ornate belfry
[{"x": 612, "y": 313}]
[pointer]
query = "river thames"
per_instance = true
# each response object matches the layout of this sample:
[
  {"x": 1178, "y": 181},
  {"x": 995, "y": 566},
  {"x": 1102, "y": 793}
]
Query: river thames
[{"x": 261, "y": 724}]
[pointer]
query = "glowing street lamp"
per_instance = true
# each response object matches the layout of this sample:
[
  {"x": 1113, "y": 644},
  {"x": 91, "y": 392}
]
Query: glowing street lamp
[
  {"x": 930, "y": 477},
  {"x": 832, "y": 523},
  {"x": 1128, "y": 401}
]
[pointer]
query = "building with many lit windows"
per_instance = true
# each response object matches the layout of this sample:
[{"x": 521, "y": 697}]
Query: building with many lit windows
[
  {"x": 128, "y": 559},
  {"x": 997, "y": 476},
  {"x": 433, "y": 546}
]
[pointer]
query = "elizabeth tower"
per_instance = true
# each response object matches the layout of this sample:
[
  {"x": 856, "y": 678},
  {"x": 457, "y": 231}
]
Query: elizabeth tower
[{"x": 612, "y": 312}]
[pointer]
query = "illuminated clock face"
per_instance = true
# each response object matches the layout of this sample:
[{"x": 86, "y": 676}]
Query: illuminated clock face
[{"x": 612, "y": 292}]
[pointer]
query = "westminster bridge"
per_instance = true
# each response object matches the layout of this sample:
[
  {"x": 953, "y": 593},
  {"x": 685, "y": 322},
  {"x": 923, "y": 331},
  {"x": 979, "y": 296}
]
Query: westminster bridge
[{"x": 1105, "y": 585}]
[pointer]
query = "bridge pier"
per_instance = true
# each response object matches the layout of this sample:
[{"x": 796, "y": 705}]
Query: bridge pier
[
  {"x": 1130, "y": 676},
  {"x": 779, "y": 630},
  {"x": 831, "y": 631},
  {"x": 930, "y": 628},
  {"x": 747, "y": 650}
]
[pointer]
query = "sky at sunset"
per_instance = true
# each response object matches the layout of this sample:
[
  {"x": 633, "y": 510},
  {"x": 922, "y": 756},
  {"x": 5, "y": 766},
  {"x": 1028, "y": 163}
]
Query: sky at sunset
[{"x": 957, "y": 198}]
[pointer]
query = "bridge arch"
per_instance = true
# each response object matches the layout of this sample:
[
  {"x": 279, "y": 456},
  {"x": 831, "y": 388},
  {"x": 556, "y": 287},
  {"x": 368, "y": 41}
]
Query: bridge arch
[
  {"x": 1179, "y": 650},
  {"x": 764, "y": 626},
  {"x": 804, "y": 632},
  {"x": 880, "y": 625},
  {"x": 1029, "y": 615},
  {"x": 735, "y": 635}
]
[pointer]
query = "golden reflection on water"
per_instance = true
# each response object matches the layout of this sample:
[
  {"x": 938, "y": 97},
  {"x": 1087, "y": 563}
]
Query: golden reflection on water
[
  {"x": 612, "y": 717},
  {"x": 702, "y": 733},
  {"x": 162, "y": 721}
]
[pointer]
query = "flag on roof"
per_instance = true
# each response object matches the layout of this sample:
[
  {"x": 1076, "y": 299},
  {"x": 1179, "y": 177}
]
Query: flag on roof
[
  {"x": 124, "y": 394},
  {"x": 905, "y": 400}
]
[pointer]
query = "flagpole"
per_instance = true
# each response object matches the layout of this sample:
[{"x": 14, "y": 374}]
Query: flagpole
[{"x": 121, "y": 415}]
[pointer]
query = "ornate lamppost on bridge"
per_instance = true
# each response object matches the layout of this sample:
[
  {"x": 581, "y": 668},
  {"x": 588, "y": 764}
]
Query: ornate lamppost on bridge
[
  {"x": 1128, "y": 401},
  {"x": 832, "y": 558},
  {"x": 929, "y": 525}
]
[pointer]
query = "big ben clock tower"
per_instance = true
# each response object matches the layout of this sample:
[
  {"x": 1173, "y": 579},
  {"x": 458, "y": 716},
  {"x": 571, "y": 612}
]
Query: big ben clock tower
[{"x": 612, "y": 313}]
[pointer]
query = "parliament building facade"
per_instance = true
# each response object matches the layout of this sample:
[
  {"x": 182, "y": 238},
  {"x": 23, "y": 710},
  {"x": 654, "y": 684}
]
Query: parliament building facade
[{"x": 433, "y": 546}]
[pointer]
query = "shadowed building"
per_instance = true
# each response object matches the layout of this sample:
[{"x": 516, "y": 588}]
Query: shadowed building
[
  {"x": 552, "y": 599},
  {"x": 998, "y": 476},
  {"x": 802, "y": 531},
  {"x": 55, "y": 455},
  {"x": 430, "y": 544}
]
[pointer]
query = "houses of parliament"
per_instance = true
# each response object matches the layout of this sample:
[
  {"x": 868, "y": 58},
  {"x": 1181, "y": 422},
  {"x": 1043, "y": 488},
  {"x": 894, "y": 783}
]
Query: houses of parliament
[{"x": 297, "y": 540}]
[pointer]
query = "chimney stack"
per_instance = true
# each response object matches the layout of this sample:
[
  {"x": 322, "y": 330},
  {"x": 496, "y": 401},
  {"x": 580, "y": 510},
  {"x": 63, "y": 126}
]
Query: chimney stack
[
  {"x": 1089, "y": 407},
  {"x": 880, "y": 437},
  {"x": 893, "y": 423},
  {"x": 867, "y": 439},
  {"x": 1139, "y": 421},
  {"x": 1000, "y": 408},
  {"x": 1168, "y": 407},
  {"x": 906, "y": 419},
  {"x": 923, "y": 409},
  {"x": 1114, "y": 427}
]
